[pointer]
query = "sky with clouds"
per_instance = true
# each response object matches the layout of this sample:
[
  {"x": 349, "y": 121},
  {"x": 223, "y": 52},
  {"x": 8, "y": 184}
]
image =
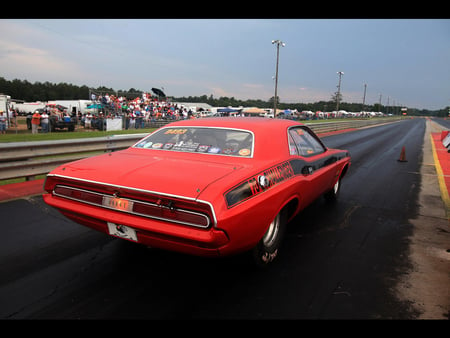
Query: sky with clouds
[{"x": 405, "y": 60}]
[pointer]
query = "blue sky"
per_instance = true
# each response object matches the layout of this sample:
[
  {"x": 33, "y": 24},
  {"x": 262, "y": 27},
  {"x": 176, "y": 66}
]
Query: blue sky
[{"x": 405, "y": 60}]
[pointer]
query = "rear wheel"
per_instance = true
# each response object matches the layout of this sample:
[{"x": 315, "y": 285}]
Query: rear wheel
[
  {"x": 332, "y": 195},
  {"x": 267, "y": 248}
]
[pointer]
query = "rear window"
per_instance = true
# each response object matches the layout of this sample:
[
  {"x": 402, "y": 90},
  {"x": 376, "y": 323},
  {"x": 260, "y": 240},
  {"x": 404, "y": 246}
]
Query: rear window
[{"x": 207, "y": 140}]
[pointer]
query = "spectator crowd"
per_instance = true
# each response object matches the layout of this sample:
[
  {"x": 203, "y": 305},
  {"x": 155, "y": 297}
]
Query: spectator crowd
[
  {"x": 136, "y": 113},
  {"x": 139, "y": 112}
]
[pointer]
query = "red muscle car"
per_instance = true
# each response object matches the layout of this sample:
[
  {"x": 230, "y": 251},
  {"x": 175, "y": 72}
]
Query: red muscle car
[{"x": 210, "y": 187}]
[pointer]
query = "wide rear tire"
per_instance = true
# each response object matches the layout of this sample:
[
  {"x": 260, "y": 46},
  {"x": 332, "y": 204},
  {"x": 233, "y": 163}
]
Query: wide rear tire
[
  {"x": 267, "y": 248},
  {"x": 332, "y": 195}
]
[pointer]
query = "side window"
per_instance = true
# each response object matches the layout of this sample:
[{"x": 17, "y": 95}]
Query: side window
[
  {"x": 302, "y": 143},
  {"x": 292, "y": 146}
]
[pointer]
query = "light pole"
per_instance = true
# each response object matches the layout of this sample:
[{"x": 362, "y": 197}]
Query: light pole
[
  {"x": 278, "y": 42},
  {"x": 364, "y": 97},
  {"x": 338, "y": 96},
  {"x": 379, "y": 104}
]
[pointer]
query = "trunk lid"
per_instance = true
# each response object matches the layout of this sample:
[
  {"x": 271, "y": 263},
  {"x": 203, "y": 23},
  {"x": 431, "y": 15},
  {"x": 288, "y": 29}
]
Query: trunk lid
[{"x": 177, "y": 174}]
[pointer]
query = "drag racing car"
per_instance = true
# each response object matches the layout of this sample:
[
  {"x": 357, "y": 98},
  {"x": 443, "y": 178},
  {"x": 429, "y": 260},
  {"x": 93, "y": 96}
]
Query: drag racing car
[{"x": 208, "y": 187}]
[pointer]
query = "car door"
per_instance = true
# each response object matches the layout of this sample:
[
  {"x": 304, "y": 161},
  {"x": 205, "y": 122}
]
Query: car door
[{"x": 309, "y": 159}]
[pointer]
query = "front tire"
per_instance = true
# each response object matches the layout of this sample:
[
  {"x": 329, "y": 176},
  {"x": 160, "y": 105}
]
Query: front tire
[{"x": 267, "y": 248}]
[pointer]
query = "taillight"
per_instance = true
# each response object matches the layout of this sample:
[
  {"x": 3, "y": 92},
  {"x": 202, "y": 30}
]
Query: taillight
[
  {"x": 176, "y": 211},
  {"x": 172, "y": 213},
  {"x": 78, "y": 194}
]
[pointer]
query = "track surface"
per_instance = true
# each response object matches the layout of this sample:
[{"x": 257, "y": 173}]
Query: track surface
[{"x": 337, "y": 261}]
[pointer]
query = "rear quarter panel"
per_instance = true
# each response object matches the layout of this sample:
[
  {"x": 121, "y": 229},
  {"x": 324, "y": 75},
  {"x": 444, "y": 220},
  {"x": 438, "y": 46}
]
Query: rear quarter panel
[{"x": 246, "y": 220}]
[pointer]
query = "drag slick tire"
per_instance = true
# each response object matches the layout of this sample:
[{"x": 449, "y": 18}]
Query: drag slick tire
[
  {"x": 267, "y": 248},
  {"x": 332, "y": 195}
]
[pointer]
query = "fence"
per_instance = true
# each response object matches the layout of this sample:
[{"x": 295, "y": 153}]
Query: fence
[{"x": 29, "y": 159}]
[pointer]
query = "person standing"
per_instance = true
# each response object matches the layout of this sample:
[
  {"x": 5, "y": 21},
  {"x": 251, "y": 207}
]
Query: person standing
[
  {"x": 127, "y": 120},
  {"x": 44, "y": 122},
  {"x": 2, "y": 122},
  {"x": 35, "y": 121},
  {"x": 138, "y": 120}
]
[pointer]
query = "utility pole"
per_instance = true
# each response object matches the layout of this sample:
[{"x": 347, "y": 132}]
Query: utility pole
[
  {"x": 379, "y": 104},
  {"x": 278, "y": 43},
  {"x": 338, "y": 96},
  {"x": 387, "y": 109},
  {"x": 364, "y": 97}
]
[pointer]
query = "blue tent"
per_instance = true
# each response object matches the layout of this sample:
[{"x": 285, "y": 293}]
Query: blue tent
[
  {"x": 95, "y": 106},
  {"x": 227, "y": 110}
]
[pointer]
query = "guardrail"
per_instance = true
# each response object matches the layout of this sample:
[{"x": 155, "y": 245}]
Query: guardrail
[
  {"x": 325, "y": 127},
  {"x": 29, "y": 159}
]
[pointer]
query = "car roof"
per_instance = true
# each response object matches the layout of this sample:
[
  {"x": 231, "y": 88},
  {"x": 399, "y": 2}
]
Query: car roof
[{"x": 255, "y": 124}]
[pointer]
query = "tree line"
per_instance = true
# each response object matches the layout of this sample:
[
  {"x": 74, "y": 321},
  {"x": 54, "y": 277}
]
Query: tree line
[{"x": 46, "y": 91}]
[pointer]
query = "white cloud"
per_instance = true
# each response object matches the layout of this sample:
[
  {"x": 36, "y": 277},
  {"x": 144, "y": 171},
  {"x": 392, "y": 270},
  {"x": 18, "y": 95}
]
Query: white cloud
[
  {"x": 34, "y": 64},
  {"x": 241, "y": 91},
  {"x": 23, "y": 55},
  {"x": 21, "y": 58}
]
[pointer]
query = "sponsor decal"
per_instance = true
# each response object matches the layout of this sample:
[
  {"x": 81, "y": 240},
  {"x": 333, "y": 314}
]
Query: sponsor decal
[
  {"x": 176, "y": 131},
  {"x": 214, "y": 150},
  {"x": 202, "y": 148},
  {"x": 258, "y": 183},
  {"x": 272, "y": 176},
  {"x": 244, "y": 152}
]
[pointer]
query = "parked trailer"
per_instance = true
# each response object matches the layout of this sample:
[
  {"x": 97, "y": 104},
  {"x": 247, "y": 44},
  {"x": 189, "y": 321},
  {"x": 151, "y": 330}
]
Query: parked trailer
[
  {"x": 73, "y": 106},
  {"x": 27, "y": 107},
  {"x": 4, "y": 106}
]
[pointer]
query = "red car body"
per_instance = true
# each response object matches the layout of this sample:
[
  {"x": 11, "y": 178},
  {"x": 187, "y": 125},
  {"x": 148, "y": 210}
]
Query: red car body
[{"x": 202, "y": 199}]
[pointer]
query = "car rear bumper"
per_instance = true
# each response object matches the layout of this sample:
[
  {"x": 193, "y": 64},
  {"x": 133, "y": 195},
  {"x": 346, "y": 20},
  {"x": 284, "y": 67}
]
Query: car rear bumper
[{"x": 153, "y": 233}]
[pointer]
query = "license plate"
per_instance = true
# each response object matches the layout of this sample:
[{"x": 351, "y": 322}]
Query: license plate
[
  {"x": 122, "y": 231},
  {"x": 117, "y": 203}
]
